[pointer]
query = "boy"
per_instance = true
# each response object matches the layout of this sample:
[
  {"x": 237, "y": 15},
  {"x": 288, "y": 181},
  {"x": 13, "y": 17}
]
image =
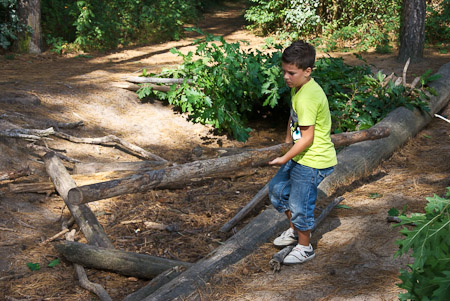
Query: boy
[{"x": 293, "y": 190}]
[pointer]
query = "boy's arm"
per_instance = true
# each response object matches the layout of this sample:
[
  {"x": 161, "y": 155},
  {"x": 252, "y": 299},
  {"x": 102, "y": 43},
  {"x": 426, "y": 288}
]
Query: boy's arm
[{"x": 302, "y": 144}]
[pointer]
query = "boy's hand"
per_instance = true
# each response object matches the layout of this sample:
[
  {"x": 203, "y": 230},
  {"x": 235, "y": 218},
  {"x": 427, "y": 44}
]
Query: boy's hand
[{"x": 277, "y": 161}]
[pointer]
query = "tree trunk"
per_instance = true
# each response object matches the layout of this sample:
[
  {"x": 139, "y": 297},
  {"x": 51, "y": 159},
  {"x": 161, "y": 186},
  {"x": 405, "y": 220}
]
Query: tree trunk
[
  {"x": 30, "y": 15},
  {"x": 412, "y": 32},
  {"x": 124, "y": 263}
]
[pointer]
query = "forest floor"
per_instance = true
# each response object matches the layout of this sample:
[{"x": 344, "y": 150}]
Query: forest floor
[{"x": 354, "y": 246}]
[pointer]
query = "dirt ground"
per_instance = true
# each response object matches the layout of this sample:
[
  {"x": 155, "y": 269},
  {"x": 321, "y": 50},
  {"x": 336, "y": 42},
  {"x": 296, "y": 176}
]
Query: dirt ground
[{"x": 354, "y": 246}]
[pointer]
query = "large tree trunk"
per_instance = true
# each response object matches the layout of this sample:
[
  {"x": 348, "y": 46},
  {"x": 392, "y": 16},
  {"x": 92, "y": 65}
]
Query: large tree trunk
[
  {"x": 30, "y": 15},
  {"x": 412, "y": 32}
]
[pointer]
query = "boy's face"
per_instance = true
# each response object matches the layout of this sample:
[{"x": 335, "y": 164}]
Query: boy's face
[{"x": 294, "y": 76}]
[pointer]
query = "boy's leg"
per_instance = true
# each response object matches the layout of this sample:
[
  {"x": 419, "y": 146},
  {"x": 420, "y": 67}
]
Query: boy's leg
[
  {"x": 279, "y": 190},
  {"x": 302, "y": 203}
]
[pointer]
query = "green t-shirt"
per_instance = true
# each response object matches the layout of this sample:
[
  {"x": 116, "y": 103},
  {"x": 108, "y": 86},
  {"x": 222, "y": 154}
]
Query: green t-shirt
[{"x": 310, "y": 107}]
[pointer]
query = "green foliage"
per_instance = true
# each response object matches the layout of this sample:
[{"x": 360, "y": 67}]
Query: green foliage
[
  {"x": 368, "y": 24},
  {"x": 9, "y": 23},
  {"x": 437, "y": 21},
  {"x": 229, "y": 83},
  {"x": 101, "y": 25},
  {"x": 54, "y": 263},
  {"x": 428, "y": 278},
  {"x": 358, "y": 99},
  {"x": 34, "y": 266}
]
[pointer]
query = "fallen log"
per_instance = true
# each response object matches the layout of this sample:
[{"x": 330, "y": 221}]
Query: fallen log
[
  {"x": 94, "y": 167},
  {"x": 84, "y": 217},
  {"x": 182, "y": 173},
  {"x": 44, "y": 149},
  {"x": 179, "y": 174},
  {"x": 156, "y": 80},
  {"x": 124, "y": 263},
  {"x": 403, "y": 124}
]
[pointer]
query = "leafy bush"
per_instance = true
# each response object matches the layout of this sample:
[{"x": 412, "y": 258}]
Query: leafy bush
[
  {"x": 428, "y": 278},
  {"x": 437, "y": 21},
  {"x": 367, "y": 24},
  {"x": 229, "y": 83},
  {"x": 9, "y": 23},
  {"x": 95, "y": 24}
]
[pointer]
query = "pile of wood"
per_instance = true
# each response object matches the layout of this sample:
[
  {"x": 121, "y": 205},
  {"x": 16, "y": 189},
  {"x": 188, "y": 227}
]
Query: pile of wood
[{"x": 142, "y": 176}]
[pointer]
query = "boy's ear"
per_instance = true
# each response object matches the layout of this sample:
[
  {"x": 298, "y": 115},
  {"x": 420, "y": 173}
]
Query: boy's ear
[{"x": 308, "y": 71}]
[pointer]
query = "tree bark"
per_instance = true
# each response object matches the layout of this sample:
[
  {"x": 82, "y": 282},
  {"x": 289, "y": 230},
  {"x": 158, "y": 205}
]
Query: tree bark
[
  {"x": 124, "y": 263},
  {"x": 412, "y": 31},
  {"x": 30, "y": 15},
  {"x": 84, "y": 217}
]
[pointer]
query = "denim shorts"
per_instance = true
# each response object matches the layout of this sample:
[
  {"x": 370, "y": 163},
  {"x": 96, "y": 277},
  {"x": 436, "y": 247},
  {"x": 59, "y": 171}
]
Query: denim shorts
[{"x": 294, "y": 188}]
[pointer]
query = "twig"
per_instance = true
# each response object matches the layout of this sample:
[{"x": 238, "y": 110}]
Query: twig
[
  {"x": 61, "y": 233},
  {"x": 443, "y": 118}
]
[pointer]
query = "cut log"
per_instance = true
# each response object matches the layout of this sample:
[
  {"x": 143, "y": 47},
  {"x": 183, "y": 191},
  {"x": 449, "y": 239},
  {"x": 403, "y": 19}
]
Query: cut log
[
  {"x": 87, "y": 168},
  {"x": 155, "y": 80},
  {"x": 179, "y": 174},
  {"x": 124, "y": 263},
  {"x": 134, "y": 87},
  {"x": 403, "y": 124},
  {"x": 84, "y": 217}
]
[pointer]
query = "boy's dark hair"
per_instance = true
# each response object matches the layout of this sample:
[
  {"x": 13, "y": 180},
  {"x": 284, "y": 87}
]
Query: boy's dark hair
[{"x": 300, "y": 54}]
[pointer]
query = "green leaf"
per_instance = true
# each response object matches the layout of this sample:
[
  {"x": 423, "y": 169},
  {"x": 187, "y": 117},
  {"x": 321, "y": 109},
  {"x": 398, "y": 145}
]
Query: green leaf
[
  {"x": 33, "y": 266},
  {"x": 54, "y": 263},
  {"x": 393, "y": 212}
]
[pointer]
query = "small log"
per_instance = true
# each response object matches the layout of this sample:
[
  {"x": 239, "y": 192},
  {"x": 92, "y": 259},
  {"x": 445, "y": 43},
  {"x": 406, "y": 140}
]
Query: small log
[
  {"x": 124, "y": 263},
  {"x": 111, "y": 140},
  {"x": 15, "y": 174},
  {"x": 84, "y": 217},
  {"x": 134, "y": 87},
  {"x": 156, "y": 80},
  {"x": 257, "y": 199},
  {"x": 155, "y": 283},
  {"x": 67, "y": 125},
  {"x": 88, "y": 168}
]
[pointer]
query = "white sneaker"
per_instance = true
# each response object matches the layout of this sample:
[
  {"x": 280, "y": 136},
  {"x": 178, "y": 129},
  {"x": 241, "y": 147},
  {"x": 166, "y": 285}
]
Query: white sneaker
[
  {"x": 286, "y": 238},
  {"x": 299, "y": 254}
]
